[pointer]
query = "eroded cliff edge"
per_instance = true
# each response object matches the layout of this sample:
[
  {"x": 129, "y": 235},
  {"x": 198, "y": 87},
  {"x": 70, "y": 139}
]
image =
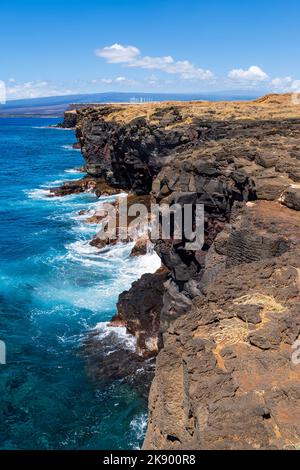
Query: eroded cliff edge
[{"x": 223, "y": 318}]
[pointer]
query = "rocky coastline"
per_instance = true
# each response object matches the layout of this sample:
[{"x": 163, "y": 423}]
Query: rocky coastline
[{"x": 220, "y": 322}]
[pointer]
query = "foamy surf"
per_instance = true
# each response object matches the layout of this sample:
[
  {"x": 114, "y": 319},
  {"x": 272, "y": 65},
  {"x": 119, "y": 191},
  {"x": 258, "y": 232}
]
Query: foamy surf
[
  {"x": 52, "y": 127},
  {"x": 100, "y": 275},
  {"x": 45, "y": 194},
  {"x": 73, "y": 201},
  {"x": 74, "y": 171},
  {"x": 38, "y": 193},
  {"x": 85, "y": 229},
  {"x": 127, "y": 340},
  {"x": 70, "y": 147},
  {"x": 82, "y": 247},
  {"x": 57, "y": 296},
  {"x": 53, "y": 184},
  {"x": 92, "y": 208},
  {"x": 138, "y": 426}
]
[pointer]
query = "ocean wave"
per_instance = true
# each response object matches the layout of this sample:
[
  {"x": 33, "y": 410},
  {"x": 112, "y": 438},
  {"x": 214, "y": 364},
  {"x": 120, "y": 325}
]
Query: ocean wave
[
  {"x": 82, "y": 247},
  {"x": 60, "y": 182},
  {"x": 94, "y": 277},
  {"x": 85, "y": 229},
  {"x": 53, "y": 184},
  {"x": 52, "y": 127},
  {"x": 138, "y": 427},
  {"x": 74, "y": 201},
  {"x": 148, "y": 263},
  {"x": 127, "y": 340},
  {"x": 118, "y": 253},
  {"x": 45, "y": 194},
  {"x": 70, "y": 147},
  {"x": 92, "y": 207},
  {"x": 74, "y": 170},
  {"x": 109, "y": 258},
  {"x": 112, "y": 270},
  {"x": 38, "y": 193}
]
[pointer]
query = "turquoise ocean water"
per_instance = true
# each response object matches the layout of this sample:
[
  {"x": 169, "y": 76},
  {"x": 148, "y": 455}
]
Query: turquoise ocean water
[{"x": 54, "y": 288}]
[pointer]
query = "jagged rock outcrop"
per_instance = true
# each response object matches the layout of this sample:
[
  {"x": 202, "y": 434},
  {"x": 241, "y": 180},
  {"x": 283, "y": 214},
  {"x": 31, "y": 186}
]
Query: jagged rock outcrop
[
  {"x": 129, "y": 144},
  {"x": 99, "y": 187},
  {"x": 70, "y": 119},
  {"x": 230, "y": 356},
  {"x": 140, "y": 308},
  {"x": 225, "y": 316}
]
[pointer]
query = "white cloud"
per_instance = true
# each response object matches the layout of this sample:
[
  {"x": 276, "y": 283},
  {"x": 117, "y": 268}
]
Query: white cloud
[
  {"x": 118, "y": 80},
  {"x": 254, "y": 73},
  {"x": 118, "y": 54},
  {"x": 296, "y": 85},
  {"x": 34, "y": 89},
  {"x": 285, "y": 84},
  {"x": 282, "y": 81},
  {"x": 130, "y": 56}
]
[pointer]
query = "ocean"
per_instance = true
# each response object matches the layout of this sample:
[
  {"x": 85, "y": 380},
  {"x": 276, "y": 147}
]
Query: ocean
[{"x": 54, "y": 289}]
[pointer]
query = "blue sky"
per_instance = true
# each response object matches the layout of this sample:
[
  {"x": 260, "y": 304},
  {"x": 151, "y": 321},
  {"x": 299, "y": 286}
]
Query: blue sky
[{"x": 59, "y": 47}]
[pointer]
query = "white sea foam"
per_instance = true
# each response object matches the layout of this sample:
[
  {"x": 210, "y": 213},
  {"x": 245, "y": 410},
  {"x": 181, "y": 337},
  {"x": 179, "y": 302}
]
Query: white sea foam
[
  {"x": 75, "y": 170},
  {"x": 80, "y": 200},
  {"x": 45, "y": 194},
  {"x": 70, "y": 148},
  {"x": 118, "y": 253},
  {"x": 138, "y": 426},
  {"x": 103, "y": 273},
  {"x": 92, "y": 207},
  {"x": 82, "y": 247},
  {"x": 52, "y": 127},
  {"x": 81, "y": 217},
  {"x": 128, "y": 341},
  {"x": 53, "y": 184},
  {"x": 117, "y": 270},
  {"x": 38, "y": 193},
  {"x": 85, "y": 229}
]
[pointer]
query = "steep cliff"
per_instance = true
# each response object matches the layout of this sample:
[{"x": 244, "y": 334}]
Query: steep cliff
[
  {"x": 224, "y": 317},
  {"x": 70, "y": 119},
  {"x": 224, "y": 378}
]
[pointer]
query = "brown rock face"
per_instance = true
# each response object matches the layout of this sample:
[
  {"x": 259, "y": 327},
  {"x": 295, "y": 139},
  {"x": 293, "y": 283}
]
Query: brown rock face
[
  {"x": 70, "y": 119},
  {"x": 98, "y": 186},
  {"x": 225, "y": 377},
  {"x": 140, "y": 308},
  {"x": 224, "y": 317}
]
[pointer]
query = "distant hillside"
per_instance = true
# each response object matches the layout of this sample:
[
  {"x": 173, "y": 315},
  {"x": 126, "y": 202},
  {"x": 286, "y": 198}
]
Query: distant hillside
[{"x": 56, "y": 105}]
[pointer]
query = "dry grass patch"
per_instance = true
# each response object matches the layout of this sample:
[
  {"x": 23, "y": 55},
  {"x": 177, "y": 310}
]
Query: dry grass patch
[
  {"x": 227, "y": 332},
  {"x": 230, "y": 331},
  {"x": 267, "y": 302}
]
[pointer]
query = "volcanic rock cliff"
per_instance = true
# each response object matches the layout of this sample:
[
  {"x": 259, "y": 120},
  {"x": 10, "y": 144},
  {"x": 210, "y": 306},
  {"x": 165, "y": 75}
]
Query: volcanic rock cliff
[{"x": 223, "y": 319}]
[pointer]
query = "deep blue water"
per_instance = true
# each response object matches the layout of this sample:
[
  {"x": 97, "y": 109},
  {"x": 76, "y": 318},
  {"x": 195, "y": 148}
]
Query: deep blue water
[{"x": 53, "y": 290}]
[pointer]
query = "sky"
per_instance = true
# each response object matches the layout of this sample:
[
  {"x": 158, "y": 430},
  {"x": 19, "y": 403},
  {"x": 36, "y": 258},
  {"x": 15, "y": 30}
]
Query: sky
[{"x": 65, "y": 47}]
